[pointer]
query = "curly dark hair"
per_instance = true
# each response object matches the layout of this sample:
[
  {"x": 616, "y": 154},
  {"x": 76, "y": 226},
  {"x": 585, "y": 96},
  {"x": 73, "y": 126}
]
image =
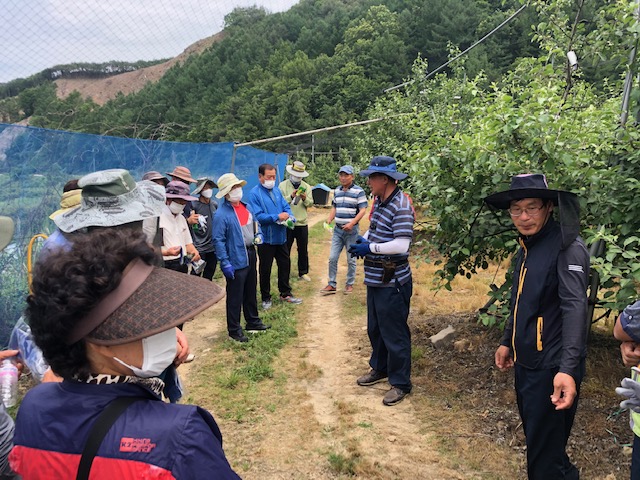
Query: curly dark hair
[{"x": 68, "y": 284}]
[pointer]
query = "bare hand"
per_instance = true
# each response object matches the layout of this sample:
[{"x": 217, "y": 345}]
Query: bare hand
[
  {"x": 303, "y": 196},
  {"x": 564, "y": 391},
  {"x": 193, "y": 218},
  {"x": 283, "y": 216},
  {"x": 503, "y": 358},
  {"x": 348, "y": 227},
  {"x": 183, "y": 347},
  {"x": 630, "y": 354},
  {"x": 172, "y": 251},
  {"x": 4, "y": 354}
]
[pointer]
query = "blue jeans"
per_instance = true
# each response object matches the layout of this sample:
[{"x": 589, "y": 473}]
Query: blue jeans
[{"x": 340, "y": 240}]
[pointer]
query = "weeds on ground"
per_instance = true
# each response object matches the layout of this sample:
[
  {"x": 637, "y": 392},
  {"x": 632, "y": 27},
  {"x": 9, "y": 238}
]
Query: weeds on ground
[
  {"x": 229, "y": 385},
  {"x": 344, "y": 464}
]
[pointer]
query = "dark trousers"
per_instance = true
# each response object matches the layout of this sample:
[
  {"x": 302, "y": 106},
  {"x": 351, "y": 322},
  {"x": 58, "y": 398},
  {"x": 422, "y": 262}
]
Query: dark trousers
[
  {"x": 241, "y": 295},
  {"x": 176, "y": 266},
  {"x": 267, "y": 253},
  {"x": 635, "y": 458},
  {"x": 389, "y": 334},
  {"x": 210, "y": 267},
  {"x": 546, "y": 429},
  {"x": 301, "y": 236}
]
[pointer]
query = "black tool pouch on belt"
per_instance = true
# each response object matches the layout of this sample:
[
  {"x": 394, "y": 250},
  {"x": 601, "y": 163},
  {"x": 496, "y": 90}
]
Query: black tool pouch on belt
[{"x": 389, "y": 271}]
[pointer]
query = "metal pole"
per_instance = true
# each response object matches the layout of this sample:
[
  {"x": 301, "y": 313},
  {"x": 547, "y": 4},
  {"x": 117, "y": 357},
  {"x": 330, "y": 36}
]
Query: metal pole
[
  {"x": 233, "y": 157},
  {"x": 313, "y": 149},
  {"x": 318, "y": 130}
]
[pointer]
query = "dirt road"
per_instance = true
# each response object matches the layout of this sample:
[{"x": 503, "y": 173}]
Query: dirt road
[{"x": 324, "y": 425}]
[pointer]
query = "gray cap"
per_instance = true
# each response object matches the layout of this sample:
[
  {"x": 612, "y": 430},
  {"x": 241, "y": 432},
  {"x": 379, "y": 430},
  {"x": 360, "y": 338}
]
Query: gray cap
[{"x": 348, "y": 169}]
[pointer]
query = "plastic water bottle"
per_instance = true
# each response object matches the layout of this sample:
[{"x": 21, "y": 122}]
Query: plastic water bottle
[{"x": 9, "y": 383}]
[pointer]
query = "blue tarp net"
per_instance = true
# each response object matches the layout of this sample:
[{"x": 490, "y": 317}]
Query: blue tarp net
[{"x": 35, "y": 163}]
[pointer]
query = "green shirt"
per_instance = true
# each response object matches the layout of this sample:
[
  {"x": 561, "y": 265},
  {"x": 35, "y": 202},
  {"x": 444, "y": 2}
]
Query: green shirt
[{"x": 299, "y": 210}]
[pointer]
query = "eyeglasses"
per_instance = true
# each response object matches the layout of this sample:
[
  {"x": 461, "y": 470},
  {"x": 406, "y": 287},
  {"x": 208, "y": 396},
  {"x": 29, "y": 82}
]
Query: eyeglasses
[{"x": 531, "y": 211}]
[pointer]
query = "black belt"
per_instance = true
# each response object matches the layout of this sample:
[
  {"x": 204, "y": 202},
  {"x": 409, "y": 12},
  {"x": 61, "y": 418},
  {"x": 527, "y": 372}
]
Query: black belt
[{"x": 380, "y": 263}]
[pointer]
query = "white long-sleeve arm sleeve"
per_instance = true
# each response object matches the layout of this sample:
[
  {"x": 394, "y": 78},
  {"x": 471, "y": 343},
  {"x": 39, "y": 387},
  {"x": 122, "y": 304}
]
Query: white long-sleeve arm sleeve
[{"x": 394, "y": 247}]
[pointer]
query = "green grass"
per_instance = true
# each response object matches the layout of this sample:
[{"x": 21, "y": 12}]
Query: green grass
[
  {"x": 342, "y": 464},
  {"x": 231, "y": 383}
]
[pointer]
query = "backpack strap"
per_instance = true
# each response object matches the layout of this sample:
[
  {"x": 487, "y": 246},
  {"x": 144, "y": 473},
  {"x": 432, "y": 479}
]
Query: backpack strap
[{"x": 99, "y": 430}]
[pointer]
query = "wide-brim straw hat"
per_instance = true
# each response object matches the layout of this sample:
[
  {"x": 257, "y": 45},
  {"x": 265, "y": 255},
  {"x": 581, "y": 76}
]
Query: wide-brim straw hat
[
  {"x": 154, "y": 175},
  {"x": 148, "y": 300},
  {"x": 178, "y": 189},
  {"x": 297, "y": 169},
  {"x": 226, "y": 182},
  {"x": 111, "y": 198},
  {"x": 6, "y": 232},
  {"x": 69, "y": 200},
  {"x": 183, "y": 173},
  {"x": 202, "y": 182},
  {"x": 532, "y": 185}
]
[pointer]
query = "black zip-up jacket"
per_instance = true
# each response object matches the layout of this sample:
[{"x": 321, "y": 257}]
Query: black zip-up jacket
[{"x": 547, "y": 327}]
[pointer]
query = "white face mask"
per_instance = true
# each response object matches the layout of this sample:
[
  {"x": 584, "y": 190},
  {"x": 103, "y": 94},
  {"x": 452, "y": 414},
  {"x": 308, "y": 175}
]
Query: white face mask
[
  {"x": 235, "y": 195},
  {"x": 158, "y": 352},
  {"x": 207, "y": 193},
  {"x": 269, "y": 184},
  {"x": 176, "y": 208},
  {"x": 295, "y": 179}
]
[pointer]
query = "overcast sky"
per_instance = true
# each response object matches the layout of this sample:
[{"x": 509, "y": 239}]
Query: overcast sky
[{"x": 37, "y": 34}]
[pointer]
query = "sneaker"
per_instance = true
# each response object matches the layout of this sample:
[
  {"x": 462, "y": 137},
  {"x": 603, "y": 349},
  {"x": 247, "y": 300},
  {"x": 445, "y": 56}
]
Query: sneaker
[
  {"x": 242, "y": 338},
  {"x": 261, "y": 327},
  {"x": 266, "y": 305},
  {"x": 190, "y": 358},
  {"x": 371, "y": 378},
  {"x": 394, "y": 396},
  {"x": 348, "y": 289},
  {"x": 291, "y": 299},
  {"x": 305, "y": 277},
  {"x": 328, "y": 290}
]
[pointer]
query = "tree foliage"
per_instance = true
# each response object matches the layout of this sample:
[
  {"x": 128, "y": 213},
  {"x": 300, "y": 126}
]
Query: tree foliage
[{"x": 462, "y": 138}]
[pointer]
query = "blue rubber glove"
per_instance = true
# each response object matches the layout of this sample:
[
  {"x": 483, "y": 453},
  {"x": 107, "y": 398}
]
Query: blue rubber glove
[
  {"x": 360, "y": 249},
  {"x": 228, "y": 271}
]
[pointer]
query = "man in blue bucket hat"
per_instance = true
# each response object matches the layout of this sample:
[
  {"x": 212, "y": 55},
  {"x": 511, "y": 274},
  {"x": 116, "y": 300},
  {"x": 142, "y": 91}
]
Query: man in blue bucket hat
[
  {"x": 387, "y": 275},
  {"x": 545, "y": 336}
]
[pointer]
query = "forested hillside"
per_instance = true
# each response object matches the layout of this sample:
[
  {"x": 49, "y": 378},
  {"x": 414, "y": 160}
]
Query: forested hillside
[
  {"x": 321, "y": 63},
  {"x": 511, "y": 105}
]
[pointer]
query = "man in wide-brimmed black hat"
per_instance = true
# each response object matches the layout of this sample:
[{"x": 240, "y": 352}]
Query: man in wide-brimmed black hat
[{"x": 545, "y": 335}]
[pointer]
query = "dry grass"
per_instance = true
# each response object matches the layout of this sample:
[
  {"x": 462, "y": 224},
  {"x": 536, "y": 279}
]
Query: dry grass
[{"x": 467, "y": 295}]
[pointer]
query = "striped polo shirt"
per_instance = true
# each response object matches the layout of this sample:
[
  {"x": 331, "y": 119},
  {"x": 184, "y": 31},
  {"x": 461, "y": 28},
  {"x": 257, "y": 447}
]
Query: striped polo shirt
[
  {"x": 393, "y": 219},
  {"x": 348, "y": 203}
]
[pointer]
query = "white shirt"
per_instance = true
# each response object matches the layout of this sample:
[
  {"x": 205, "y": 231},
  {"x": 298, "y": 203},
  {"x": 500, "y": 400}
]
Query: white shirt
[{"x": 175, "y": 232}]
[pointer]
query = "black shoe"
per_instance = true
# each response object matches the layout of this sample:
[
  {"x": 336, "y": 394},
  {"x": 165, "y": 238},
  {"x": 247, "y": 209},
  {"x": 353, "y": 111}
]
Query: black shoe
[
  {"x": 261, "y": 327},
  {"x": 394, "y": 396},
  {"x": 239, "y": 338},
  {"x": 371, "y": 378}
]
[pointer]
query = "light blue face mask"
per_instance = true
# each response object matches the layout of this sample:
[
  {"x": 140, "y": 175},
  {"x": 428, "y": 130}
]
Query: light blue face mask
[{"x": 159, "y": 351}]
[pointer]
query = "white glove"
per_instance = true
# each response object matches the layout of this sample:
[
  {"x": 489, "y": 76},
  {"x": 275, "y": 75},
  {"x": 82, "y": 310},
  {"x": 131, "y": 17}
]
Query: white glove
[
  {"x": 631, "y": 389},
  {"x": 202, "y": 220}
]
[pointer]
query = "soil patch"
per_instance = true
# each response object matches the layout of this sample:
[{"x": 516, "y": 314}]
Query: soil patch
[
  {"x": 466, "y": 378},
  {"x": 460, "y": 422}
]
